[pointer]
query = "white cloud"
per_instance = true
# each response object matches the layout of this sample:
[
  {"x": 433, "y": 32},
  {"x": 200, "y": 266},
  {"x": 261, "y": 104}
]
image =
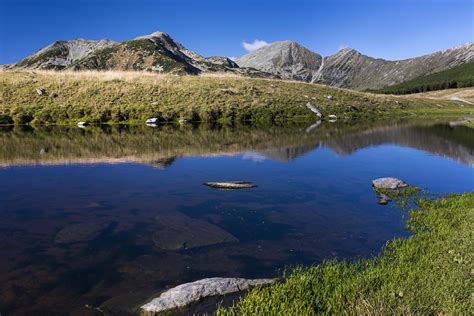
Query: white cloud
[{"x": 250, "y": 47}]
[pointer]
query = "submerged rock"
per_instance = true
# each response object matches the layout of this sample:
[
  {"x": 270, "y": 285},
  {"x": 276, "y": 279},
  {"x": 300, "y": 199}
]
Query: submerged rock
[
  {"x": 231, "y": 185},
  {"x": 79, "y": 232},
  {"x": 188, "y": 293},
  {"x": 389, "y": 183},
  {"x": 178, "y": 231},
  {"x": 383, "y": 199}
]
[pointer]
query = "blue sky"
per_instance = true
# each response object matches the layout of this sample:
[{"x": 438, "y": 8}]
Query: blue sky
[{"x": 385, "y": 28}]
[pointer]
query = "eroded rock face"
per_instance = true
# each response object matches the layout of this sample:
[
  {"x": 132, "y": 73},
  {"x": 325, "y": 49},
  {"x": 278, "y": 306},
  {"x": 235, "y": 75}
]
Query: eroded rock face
[
  {"x": 389, "y": 183},
  {"x": 178, "y": 231},
  {"x": 286, "y": 59},
  {"x": 349, "y": 68},
  {"x": 79, "y": 232},
  {"x": 187, "y": 293}
]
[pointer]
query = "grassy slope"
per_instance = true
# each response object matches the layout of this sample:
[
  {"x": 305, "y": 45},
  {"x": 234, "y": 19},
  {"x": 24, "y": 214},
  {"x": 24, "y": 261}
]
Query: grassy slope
[
  {"x": 119, "y": 96},
  {"x": 457, "y": 77},
  {"x": 428, "y": 273}
]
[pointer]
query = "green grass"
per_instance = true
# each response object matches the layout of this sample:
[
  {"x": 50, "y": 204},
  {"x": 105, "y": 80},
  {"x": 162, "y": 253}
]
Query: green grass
[
  {"x": 429, "y": 273},
  {"x": 127, "y": 96},
  {"x": 458, "y": 77}
]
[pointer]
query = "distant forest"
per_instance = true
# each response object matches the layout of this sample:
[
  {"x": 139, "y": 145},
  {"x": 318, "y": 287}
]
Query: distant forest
[{"x": 461, "y": 76}]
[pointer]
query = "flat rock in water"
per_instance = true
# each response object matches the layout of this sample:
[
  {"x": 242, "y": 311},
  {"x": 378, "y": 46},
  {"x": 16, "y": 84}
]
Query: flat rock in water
[
  {"x": 79, "y": 232},
  {"x": 188, "y": 293},
  {"x": 389, "y": 183},
  {"x": 231, "y": 185},
  {"x": 178, "y": 231}
]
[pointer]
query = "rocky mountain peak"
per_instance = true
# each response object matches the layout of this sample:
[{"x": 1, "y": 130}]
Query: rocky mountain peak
[
  {"x": 286, "y": 59},
  {"x": 348, "y": 67}
]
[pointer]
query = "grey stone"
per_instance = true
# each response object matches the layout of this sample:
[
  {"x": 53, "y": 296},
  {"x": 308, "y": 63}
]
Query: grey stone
[
  {"x": 389, "y": 183},
  {"x": 187, "y": 293},
  {"x": 314, "y": 109},
  {"x": 231, "y": 185},
  {"x": 152, "y": 120},
  {"x": 82, "y": 124}
]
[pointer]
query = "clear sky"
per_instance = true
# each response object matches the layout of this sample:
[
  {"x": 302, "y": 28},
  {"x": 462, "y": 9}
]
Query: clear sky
[{"x": 387, "y": 29}]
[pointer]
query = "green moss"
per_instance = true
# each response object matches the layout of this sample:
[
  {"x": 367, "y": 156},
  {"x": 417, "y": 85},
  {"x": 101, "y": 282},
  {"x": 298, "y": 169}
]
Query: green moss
[
  {"x": 426, "y": 274},
  {"x": 403, "y": 192}
]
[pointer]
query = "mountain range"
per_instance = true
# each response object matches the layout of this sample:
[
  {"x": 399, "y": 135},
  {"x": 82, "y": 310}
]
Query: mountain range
[
  {"x": 157, "y": 52},
  {"x": 160, "y": 53},
  {"x": 348, "y": 68}
]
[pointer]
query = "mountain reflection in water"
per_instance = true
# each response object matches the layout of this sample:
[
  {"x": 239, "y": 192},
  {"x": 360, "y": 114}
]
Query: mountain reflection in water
[
  {"x": 109, "y": 216},
  {"x": 161, "y": 147}
]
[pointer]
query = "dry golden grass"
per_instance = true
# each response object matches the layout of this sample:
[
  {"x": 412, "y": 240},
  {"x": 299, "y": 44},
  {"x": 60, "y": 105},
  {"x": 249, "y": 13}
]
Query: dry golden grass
[
  {"x": 113, "y": 96},
  {"x": 449, "y": 94}
]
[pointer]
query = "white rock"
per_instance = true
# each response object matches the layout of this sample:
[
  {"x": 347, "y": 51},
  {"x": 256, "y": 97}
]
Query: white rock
[
  {"x": 40, "y": 91},
  {"x": 82, "y": 124},
  {"x": 313, "y": 109},
  {"x": 332, "y": 116},
  {"x": 329, "y": 97},
  {"x": 389, "y": 183},
  {"x": 183, "y": 121},
  {"x": 187, "y": 293},
  {"x": 152, "y": 120}
]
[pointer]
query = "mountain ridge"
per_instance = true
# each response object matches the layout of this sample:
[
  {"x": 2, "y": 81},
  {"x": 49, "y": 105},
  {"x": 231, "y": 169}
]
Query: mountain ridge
[
  {"x": 156, "y": 52},
  {"x": 349, "y": 68},
  {"x": 159, "y": 52}
]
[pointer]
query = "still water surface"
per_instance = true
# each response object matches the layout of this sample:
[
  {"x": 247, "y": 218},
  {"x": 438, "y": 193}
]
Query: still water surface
[{"x": 110, "y": 216}]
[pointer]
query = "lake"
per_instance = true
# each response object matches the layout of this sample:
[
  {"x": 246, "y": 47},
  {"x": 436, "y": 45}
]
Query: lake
[{"x": 111, "y": 215}]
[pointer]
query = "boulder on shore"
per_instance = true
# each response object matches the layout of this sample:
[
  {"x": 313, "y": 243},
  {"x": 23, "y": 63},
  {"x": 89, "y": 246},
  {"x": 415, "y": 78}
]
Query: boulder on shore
[
  {"x": 188, "y": 293},
  {"x": 314, "y": 109},
  {"x": 152, "y": 120},
  {"x": 389, "y": 183}
]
